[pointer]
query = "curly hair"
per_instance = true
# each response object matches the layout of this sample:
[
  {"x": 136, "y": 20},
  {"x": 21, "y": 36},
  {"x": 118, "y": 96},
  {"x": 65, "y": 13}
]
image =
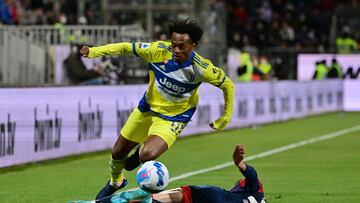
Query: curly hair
[{"x": 186, "y": 26}]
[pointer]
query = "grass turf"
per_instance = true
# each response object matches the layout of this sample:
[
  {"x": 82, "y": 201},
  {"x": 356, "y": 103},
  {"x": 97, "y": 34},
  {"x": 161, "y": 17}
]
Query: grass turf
[{"x": 326, "y": 171}]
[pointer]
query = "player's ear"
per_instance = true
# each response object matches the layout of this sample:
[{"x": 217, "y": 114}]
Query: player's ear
[{"x": 193, "y": 45}]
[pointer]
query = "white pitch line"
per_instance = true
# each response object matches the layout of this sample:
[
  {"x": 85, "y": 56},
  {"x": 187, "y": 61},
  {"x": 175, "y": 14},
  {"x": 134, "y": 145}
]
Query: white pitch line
[{"x": 270, "y": 152}]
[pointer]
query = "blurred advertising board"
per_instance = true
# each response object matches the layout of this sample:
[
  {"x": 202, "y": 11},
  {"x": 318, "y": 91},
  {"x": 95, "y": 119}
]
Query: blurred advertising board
[
  {"x": 352, "y": 96},
  {"x": 46, "y": 123},
  {"x": 350, "y": 65}
]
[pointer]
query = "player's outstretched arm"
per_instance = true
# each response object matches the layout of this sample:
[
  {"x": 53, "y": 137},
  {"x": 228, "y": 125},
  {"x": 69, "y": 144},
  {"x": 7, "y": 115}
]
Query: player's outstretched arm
[
  {"x": 169, "y": 196},
  {"x": 227, "y": 87},
  {"x": 248, "y": 171},
  {"x": 122, "y": 48}
]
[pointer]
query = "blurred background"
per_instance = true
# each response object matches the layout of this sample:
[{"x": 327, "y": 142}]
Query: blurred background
[
  {"x": 39, "y": 39},
  {"x": 296, "y": 71}
]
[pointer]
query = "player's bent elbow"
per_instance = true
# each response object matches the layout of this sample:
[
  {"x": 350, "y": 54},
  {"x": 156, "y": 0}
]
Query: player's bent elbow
[
  {"x": 231, "y": 84},
  {"x": 228, "y": 85}
]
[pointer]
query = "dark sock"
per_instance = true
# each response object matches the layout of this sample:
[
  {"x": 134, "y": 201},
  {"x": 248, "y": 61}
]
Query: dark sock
[{"x": 133, "y": 161}]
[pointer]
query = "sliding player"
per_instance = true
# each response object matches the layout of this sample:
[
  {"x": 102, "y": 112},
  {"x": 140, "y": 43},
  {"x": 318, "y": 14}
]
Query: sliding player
[{"x": 246, "y": 190}]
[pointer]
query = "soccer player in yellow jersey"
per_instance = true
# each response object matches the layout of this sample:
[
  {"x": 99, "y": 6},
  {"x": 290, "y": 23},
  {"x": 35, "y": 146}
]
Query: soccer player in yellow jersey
[{"x": 176, "y": 72}]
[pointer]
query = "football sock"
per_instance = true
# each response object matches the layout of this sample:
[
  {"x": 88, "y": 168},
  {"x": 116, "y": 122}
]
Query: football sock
[
  {"x": 133, "y": 161},
  {"x": 117, "y": 171}
]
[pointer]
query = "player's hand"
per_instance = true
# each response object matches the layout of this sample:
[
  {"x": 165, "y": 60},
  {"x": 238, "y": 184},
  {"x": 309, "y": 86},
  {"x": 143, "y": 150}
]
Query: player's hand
[
  {"x": 238, "y": 155},
  {"x": 85, "y": 51},
  {"x": 219, "y": 124},
  {"x": 212, "y": 126}
]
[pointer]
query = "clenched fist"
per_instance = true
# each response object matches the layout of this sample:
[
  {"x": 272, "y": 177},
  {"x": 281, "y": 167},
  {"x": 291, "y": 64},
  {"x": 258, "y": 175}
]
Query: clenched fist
[
  {"x": 238, "y": 155},
  {"x": 85, "y": 51}
]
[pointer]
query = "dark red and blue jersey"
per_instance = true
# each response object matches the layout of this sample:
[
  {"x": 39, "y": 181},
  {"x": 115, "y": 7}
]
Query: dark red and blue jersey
[
  {"x": 247, "y": 190},
  {"x": 250, "y": 185}
]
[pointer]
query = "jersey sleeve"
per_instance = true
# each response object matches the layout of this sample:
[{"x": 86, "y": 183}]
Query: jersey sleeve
[
  {"x": 123, "y": 48},
  {"x": 217, "y": 77},
  {"x": 150, "y": 52},
  {"x": 252, "y": 181}
]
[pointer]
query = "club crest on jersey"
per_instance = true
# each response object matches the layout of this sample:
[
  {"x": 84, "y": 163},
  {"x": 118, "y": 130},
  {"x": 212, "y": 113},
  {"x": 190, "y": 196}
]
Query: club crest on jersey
[{"x": 176, "y": 88}]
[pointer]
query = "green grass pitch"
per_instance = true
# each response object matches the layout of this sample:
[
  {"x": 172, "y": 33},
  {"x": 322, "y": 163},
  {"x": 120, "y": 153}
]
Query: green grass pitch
[{"x": 326, "y": 171}]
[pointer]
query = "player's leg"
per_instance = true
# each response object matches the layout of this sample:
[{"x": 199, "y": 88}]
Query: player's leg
[
  {"x": 153, "y": 148},
  {"x": 162, "y": 135},
  {"x": 119, "y": 154},
  {"x": 133, "y": 160},
  {"x": 134, "y": 132},
  {"x": 177, "y": 195},
  {"x": 137, "y": 195},
  {"x": 116, "y": 165}
]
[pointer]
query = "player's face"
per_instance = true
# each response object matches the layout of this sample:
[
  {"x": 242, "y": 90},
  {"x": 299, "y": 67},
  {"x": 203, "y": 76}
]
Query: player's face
[{"x": 182, "y": 46}]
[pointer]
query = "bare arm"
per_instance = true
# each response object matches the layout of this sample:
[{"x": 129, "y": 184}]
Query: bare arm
[{"x": 169, "y": 196}]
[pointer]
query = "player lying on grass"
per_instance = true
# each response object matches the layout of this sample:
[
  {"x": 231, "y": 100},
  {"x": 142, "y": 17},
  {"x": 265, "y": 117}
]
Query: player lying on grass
[
  {"x": 246, "y": 190},
  {"x": 175, "y": 74}
]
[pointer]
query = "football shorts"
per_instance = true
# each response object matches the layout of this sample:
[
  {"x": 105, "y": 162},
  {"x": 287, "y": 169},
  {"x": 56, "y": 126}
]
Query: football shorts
[{"x": 140, "y": 125}]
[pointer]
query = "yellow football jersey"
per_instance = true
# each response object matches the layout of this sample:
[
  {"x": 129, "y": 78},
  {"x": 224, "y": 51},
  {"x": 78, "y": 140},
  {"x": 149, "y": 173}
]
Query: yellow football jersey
[{"x": 173, "y": 87}]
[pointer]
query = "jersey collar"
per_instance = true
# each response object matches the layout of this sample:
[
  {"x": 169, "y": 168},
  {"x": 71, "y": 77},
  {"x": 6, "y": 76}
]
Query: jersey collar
[{"x": 186, "y": 63}]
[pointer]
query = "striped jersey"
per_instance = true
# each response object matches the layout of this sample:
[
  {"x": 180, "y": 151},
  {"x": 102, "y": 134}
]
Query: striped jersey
[{"x": 173, "y": 87}]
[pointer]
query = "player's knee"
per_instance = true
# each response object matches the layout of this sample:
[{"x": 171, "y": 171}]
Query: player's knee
[
  {"x": 147, "y": 155},
  {"x": 117, "y": 154}
]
